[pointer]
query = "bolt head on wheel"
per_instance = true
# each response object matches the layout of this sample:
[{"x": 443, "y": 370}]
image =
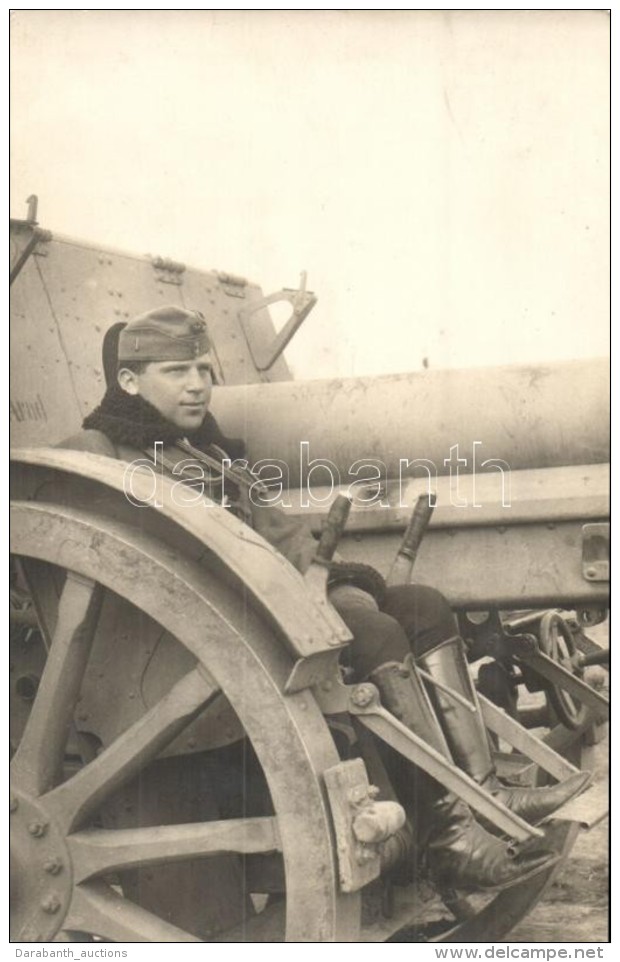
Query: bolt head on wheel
[{"x": 40, "y": 872}]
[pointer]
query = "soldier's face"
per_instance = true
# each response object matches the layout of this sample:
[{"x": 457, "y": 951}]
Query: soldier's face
[{"x": 180, "y": 390}]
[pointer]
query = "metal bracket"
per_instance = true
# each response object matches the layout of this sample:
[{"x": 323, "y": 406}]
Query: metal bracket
[
  {"x": 361, "y": 823},
  {"x": 319, "y": 672},
  {"x": 589, "y": 616},
  {"x": 301, "y": 301},
  {"x": 168, "y": 271},
  {"x": 37, "y": 237},
  {"x": 511, "y": 731},
  {"x": 232, "y": 284},
  {"x": 560, "y": 676},
  {"x": 595, "y": 551},
  {"x": 485, "y": 634}
]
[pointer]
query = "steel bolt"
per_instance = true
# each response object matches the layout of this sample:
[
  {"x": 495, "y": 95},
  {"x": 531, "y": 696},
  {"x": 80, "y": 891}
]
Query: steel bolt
[
  {"x": 357, "y": 795},
  {"x": 13, "y": 804},
  {"x": 590, "y": 572},
  {"x": 362, "y": 695},
  {"x": 364, "y": 855},
  {"x": 37, "y": 829},
  {"x": 51, "y": 904},
  {"x": 53, "y": 866}
]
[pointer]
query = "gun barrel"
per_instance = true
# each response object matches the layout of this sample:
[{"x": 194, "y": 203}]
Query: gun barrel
[{"x": 524, "y": 416}]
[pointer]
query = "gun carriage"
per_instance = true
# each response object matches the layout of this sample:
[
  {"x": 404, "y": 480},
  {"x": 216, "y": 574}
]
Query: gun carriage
[{"x": 146, "y": 636}]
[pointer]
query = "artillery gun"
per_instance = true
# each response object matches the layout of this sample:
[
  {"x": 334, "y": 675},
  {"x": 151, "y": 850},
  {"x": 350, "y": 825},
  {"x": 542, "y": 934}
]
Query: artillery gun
[{"x": 146, "y": 636}]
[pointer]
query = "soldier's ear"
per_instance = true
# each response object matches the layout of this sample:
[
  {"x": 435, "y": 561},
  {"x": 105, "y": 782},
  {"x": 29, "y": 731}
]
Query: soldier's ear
[{"x": 128, "y": 381}]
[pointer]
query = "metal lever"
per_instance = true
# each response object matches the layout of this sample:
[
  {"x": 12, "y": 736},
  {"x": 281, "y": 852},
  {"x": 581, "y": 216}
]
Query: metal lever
[
  {"x": 332, "y": 532},
  {"x": 323, "y": 669},
  {"x": 594, "y": 658},
  {"x": 317, "y": 574},
  {"x": 400, "y": 572}
]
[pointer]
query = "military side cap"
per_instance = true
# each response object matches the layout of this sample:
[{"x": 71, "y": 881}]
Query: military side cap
[{"x": 164, "y": 334}]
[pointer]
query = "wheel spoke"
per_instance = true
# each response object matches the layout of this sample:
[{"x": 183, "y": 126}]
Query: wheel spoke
[
  {"x": 38, "y": 759},
  {"x": 40, "y": 580},
  {"x": 98, "y": 910},
  {"x": 555, "y": 644},
  {"x": 101, "y": 850},
  {"x": 76, "y": 798}
]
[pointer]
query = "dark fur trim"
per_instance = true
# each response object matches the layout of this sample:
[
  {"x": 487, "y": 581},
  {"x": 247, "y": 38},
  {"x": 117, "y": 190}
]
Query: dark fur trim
[
  {"x": 129, "y": 419},
  {"x": 361, "y": 575}
]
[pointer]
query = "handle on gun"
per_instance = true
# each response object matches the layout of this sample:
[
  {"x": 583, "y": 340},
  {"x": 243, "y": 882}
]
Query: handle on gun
[
  {"x": 418, "y": 524},
  {"x": 400, "y": 572},
  {"x": 332, "y": 532}
]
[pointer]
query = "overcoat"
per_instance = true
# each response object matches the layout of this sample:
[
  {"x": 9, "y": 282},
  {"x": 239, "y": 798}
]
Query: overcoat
[{"x": 289, "y": 536}]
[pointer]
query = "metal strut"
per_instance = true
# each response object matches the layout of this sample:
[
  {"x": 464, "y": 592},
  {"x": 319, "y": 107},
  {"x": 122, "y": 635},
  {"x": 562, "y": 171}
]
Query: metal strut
[{"x": 365, "y": 704}]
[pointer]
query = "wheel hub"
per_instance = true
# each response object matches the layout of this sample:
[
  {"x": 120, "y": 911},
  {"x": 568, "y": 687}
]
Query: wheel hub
[{"x": 40, "y": 872}]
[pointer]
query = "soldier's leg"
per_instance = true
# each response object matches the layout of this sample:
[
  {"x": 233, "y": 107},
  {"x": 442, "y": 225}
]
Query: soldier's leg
[
  {"x": 378, "y": 638},
  {"x": 423, "y": 613},
  {"x": 460, "y": 853},
  {"x": 427, "y": 620}
]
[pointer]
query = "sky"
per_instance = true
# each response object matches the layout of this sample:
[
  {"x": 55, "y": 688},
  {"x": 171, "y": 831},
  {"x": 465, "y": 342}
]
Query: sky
[{"x": 442, "y": 177}]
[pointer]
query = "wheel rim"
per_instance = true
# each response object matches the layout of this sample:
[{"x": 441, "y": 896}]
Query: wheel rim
[{"x": 288, "y": 734}]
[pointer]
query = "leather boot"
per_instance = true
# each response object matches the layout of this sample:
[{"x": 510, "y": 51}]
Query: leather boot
[
  {"x": 469, "y": 745},
  {"x": 459, "y": 852}
]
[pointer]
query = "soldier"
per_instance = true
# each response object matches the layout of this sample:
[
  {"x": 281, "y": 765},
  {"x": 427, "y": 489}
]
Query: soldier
[{"x": 160, "y": 374}]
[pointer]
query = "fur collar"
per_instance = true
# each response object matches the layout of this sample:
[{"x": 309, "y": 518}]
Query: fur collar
[{"x": 129, "y": 419}]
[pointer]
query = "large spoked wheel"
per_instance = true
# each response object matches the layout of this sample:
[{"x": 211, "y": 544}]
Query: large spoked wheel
[
  {"x": 93, "y": 853},
  {"x": 163, "y": 787}
]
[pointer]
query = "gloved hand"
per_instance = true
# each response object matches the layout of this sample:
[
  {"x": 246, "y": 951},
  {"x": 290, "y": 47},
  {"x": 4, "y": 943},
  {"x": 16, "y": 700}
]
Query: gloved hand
[{"x": 359, "y": 576}]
